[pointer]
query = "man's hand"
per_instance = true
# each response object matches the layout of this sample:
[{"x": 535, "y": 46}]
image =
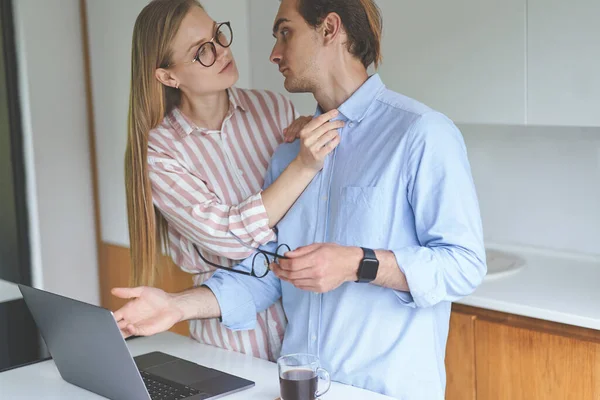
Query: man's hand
[
  {"x": 319, "y": 267},
  {"x": 151, "y": 311}
]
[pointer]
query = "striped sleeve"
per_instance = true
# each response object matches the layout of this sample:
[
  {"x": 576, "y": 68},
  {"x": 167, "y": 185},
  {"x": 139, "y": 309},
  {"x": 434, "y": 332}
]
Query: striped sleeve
[{"x": 196, "y": 212}]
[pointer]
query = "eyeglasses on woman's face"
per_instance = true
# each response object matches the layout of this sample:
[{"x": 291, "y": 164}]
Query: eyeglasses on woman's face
[{"x": 207, "y": 51}]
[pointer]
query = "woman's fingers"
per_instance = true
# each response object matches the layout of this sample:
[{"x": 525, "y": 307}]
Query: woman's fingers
[
  {"x": 329, "y": 146},
  {"x": 292, "y": 132},
  {"x": 314, "y": 136},
  {"x": 323, "y": 140},
  {"x": 318, "y": 121}
]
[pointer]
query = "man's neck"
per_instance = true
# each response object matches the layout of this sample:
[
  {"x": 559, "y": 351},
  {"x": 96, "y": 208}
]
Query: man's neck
[
  {"x": 339, "y": 85},
  {"x": 207, "y": 111}
]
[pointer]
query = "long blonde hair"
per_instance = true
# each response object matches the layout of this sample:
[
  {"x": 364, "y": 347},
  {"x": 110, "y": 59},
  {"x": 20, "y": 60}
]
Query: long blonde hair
[{"x": 149, "y": 102}]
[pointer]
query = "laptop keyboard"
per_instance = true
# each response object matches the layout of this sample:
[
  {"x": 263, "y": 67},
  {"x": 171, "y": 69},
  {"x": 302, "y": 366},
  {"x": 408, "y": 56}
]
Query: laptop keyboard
[{"x": 162, "y": 389}]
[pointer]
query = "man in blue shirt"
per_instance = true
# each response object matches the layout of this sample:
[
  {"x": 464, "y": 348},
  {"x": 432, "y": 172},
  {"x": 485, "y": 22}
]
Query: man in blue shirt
[{"x": 386, "y": 236}]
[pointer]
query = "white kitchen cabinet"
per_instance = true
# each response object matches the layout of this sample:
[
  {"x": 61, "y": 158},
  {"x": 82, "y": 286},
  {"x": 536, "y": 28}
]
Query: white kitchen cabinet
[
  {"x": 465, "y": 58},
  {"x": 564, "y": 62}
]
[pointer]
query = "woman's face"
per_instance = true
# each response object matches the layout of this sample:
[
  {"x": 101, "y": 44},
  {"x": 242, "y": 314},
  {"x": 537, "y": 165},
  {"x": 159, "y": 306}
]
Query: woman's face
[{"x": 194, "y": 78}]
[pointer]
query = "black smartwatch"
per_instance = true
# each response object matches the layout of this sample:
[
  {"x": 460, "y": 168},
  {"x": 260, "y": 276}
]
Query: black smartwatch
[{"x": 367, "y": 269}]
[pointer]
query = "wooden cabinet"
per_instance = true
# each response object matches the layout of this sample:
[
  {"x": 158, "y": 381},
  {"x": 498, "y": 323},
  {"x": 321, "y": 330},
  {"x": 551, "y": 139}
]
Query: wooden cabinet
[
  {"x": 115, "y": 270},
  {"x": 522, "y": 364},
  {"x": 563, "y": 58},
  {"x": 498, "y": 356},
  {"x": 465, "y": 58},
  {"x": 460, "y": 358}
]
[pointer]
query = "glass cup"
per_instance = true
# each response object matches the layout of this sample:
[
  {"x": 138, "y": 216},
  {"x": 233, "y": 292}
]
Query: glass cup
[{"x": 299, "y": 376}]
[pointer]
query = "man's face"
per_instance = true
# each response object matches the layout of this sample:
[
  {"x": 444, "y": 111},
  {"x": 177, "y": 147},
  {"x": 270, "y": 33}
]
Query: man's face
[{"x": 296, "y": 49}]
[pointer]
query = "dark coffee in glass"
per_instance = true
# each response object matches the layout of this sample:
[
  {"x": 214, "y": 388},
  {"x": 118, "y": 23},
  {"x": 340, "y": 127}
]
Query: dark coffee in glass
[
  {"x": 298, "y": 384},
  {"x": 299, "y": 377}
]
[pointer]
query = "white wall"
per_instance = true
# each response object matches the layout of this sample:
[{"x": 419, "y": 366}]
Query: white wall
[
  {"x": 466, "y": 58},
  {"x": 564, "y": 89},
  {"x": 110, "y": 52},
  {"x": 59, "y": 179},
  {"x": 538, "y": 186}
]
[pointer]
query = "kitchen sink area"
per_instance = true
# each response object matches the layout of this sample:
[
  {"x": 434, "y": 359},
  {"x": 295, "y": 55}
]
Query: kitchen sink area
[
  {"x": 540, "y": 283},
  {"x": 502, "y": 263}
]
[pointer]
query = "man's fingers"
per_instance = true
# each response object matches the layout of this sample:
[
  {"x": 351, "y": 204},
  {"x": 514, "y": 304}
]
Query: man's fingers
[
  {"x": 302, "y": 251},
  {"x": 293, "y": 276},
  {"x": 306, "y": 284},
  {"x": 118, "y": 315},
  {"x": 277, "y": 270},
  {"x": 126, "y": 311},
  {"x": 298, "y": 264},
  {"x": 131, "y": 330},
  {"x": 150, "y": 327},
  {"x": 299, "y": 279},
  {"x": 141, "y": 329},
  {"x": 127, "y": 293}
]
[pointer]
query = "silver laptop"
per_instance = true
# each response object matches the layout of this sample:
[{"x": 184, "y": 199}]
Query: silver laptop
[{"x": 90, "y": 352}]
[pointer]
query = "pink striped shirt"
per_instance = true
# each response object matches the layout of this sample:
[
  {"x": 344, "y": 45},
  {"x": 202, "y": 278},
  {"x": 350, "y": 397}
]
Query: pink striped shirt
[{"x": 207, "y": 183}]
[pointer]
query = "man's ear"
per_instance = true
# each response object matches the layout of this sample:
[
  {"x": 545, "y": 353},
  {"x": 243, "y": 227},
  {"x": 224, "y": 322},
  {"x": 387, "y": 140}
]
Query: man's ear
[
  {"x": 166, "y": 78},
  {"x": 331, "y": 27}
]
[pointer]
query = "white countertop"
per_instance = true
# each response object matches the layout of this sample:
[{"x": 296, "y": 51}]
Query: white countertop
[
  {"x": 9, "y": 291},
  {"x": 42, "y": 380},
  {"x": 550, "y": 285}
]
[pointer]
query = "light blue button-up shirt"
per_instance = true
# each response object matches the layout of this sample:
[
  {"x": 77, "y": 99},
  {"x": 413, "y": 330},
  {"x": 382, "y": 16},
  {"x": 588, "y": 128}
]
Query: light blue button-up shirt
[{"x": 399, "y": 180}]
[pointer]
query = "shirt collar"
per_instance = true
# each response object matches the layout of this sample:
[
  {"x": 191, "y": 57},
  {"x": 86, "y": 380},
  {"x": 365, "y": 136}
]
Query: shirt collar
[
  {"x": 355, "y": 108},
  {"x": 237, "y": 99},
  {"x": 184, "y": 126}
]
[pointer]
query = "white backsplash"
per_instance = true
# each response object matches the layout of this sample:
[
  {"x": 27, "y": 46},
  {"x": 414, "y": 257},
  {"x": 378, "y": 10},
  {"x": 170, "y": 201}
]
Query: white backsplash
[{"x": 538, "y": 186}]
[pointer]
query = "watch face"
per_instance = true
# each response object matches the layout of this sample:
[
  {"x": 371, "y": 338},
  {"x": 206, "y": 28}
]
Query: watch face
[{"x": 368, "y": 272}]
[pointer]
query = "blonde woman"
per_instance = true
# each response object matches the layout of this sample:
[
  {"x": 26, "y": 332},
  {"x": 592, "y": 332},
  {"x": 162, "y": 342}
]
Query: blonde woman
[{"x": 197, "y": 151}]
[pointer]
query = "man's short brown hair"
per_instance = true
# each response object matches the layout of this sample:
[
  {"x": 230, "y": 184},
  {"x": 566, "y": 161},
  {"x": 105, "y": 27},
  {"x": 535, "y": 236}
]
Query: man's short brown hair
[{"x": 362, "y": 22}]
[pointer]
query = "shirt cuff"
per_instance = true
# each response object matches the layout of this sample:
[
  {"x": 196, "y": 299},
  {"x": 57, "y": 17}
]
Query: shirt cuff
[
  {"x": 424, "y": 280},
  {"x": 238, "y": 310},
  {"x": 253, "y": 215}
]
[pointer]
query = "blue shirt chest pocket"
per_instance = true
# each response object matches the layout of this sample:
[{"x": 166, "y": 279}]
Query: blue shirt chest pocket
[{"x": 361, "y": 219}]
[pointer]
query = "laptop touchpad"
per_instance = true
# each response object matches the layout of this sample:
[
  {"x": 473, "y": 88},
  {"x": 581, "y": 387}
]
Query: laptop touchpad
[{"x": 184, "y": 372}]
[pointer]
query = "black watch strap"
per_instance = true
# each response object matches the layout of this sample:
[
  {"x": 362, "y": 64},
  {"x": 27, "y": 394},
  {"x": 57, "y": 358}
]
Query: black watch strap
[
  {"x": 369, "y": 253},
  {"x": 367, "y": 270}
]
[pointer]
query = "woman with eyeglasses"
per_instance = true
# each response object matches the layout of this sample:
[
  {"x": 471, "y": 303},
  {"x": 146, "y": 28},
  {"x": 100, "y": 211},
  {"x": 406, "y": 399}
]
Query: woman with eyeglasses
[{"x": 197, "y": 151}]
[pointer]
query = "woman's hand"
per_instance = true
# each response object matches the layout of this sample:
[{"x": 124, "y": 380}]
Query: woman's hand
[
  {"x": 318, "y": 138},
  {"x": 150, "y": 311},
  {"x": 292, "y": 132}
]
